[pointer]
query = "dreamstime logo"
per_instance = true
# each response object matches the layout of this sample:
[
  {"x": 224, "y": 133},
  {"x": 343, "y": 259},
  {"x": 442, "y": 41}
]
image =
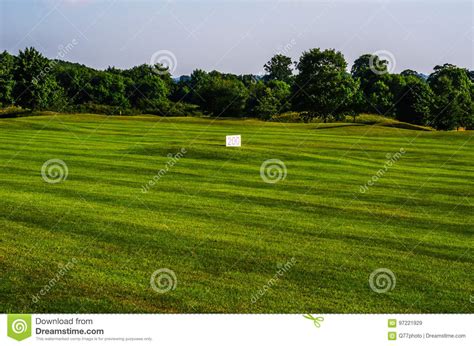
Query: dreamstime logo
[
  {"x": 272, "y": 171},
  {"x": 379, "y": 58},
  {"x": 19, "y": 326},
  {"x": 54, "y": 171},
  {"x": 163, "y": 280},
  {"x": 164, "y": 61},
  {"x": 382, "y": 280}
]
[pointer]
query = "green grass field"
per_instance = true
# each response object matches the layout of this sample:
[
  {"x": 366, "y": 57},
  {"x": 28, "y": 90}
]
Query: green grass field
[{"x": 221, "y": 229}]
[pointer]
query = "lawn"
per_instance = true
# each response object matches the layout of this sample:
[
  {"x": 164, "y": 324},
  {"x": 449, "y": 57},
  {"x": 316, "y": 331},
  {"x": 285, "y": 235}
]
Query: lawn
[{"x": 235, "y": 243}]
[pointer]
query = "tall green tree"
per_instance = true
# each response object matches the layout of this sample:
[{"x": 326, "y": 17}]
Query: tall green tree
[
  {"x": 380, "y": 99},
  {"x": 453, "y": 104},
  {"x": 268, "y": 99},
  {"x": 279, "y": 67},
  {"x": 36, "y": 87},
  {"x": 186, "y": 89},
  {"x": 147, "y": 89},
  {"x": 267, "y": 105},
  {"x": 108, "y": 88},
  {"x": 375, "y": 95},
  {"x": 220, "y": 94},
  {"x": 414, "y": 100},
  {"x": 368, "y": 67},
  {"x": 75, "y": 79},
  {"x": 323, "y": 88},
  {"x": 7, "y": 82},
  {"x": 471, "y": 75}
]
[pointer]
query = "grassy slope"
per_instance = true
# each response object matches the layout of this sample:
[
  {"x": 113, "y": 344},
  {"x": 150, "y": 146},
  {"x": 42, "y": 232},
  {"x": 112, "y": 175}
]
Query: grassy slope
[{"x": 223, "y": 230}]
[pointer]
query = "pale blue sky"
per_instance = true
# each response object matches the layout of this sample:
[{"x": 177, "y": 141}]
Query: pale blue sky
[{"x": 239, "y": 36}]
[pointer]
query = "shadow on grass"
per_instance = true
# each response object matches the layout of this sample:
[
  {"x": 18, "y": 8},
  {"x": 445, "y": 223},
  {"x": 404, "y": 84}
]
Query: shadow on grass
[
  {"x": 407, "y": 126},
  {"x": 15, "y": 114}
]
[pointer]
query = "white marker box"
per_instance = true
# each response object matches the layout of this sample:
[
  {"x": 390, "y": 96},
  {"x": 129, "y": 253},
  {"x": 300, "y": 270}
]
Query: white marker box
[{"x": 232, "y": 141}]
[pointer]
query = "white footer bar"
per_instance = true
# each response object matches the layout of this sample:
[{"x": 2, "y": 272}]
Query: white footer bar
[{"x": 223, "y": 329}]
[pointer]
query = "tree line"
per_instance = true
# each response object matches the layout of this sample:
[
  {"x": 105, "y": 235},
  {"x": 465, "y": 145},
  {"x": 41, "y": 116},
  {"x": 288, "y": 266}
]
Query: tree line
[{"x": 318, "y": 85}]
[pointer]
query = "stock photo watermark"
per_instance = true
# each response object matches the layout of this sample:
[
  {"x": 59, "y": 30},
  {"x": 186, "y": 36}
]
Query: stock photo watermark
[
  {"x": 272, "y": 171},
  {"x": 163, "y": 62},
  {"x": 19, "y": 326},
  {"x": 273, "y": 280},
  {"x": 391, "y": 160},
  {"x": 382, "y": 280},
  {"x": 54, "y": 171},
  {"x": 173, "y": 159},
  {"x": 63, "y": 52},
  {"x": 382, "y": 62},
  {"x": 58, "y": 277},
  {"x": 163, "y": 280}
]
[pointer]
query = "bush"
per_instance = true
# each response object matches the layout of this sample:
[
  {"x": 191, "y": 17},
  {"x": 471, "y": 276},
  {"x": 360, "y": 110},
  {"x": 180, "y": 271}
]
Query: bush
[
  {"x": 288, "y": 117},
  {"x": 13, "y": 112}
]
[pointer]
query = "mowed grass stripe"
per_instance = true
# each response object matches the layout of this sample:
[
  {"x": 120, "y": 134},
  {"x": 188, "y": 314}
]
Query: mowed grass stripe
[{"x": 224, "y": 232}]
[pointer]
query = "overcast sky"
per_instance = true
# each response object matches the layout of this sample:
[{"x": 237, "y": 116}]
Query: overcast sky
[{"x": 236, "y": 35}]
